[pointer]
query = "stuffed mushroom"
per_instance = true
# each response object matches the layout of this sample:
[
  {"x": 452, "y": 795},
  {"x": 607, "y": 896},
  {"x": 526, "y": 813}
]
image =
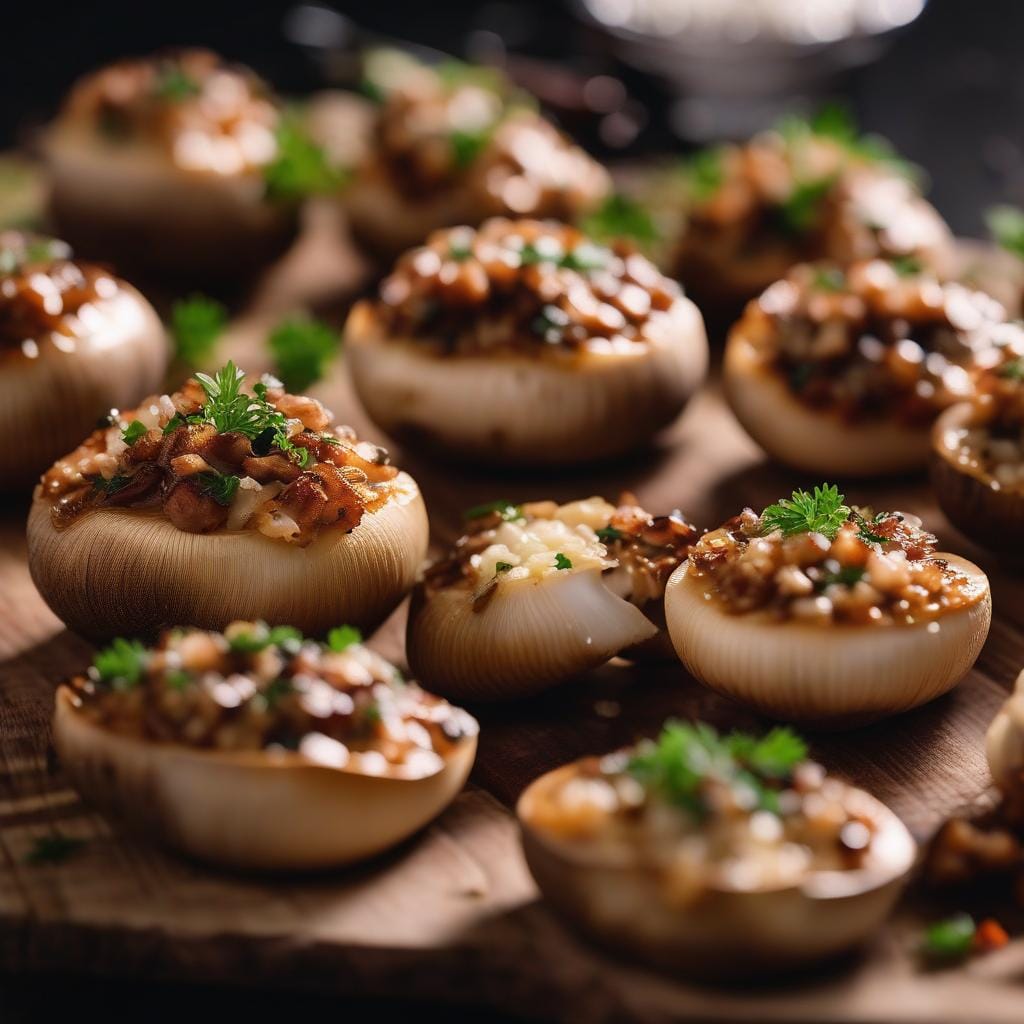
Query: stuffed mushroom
[
  {"x": 74, "y": 341},
  {"x": 819, "y": 612},
  {"x": 977, "y": 463},
  {"x": 257, "y": 748},
  {"x": 218, "y": 501},
  {"x": 845, "y": 371},
  {"x": 456, "y": 144},
  {"x": 536, "y": 594},
  {"x": 804, "y": 191},
  {"x": 524, "y": 342},
  {"x": 714, "y": 856},
  {"x": 180, "y": 165}
]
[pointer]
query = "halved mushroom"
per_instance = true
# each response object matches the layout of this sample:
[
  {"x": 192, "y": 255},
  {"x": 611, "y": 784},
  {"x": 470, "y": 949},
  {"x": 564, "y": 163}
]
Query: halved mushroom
[
  {"x": 177, "y": 164},
  {"x": 537, "y": 594},
  {"x": 216, "y": 502},
  {"x": 714, "y": 856},
  {"x": 816, "y": 612},
  {"x": 256, "y": 749},
  {"x": 457, "y": 144},
  {"x": 977, "y": 463},
  {"x": 74, "y": 342},
  {"x": 1004, "y": 746},
  {"x": 525, "y": 343},
  {"x": 845, "y": 372}
]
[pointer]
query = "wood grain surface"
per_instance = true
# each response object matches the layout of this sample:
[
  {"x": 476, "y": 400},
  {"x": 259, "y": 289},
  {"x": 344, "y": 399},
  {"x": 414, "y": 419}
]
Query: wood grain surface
[{"x": 453, "y": 914}]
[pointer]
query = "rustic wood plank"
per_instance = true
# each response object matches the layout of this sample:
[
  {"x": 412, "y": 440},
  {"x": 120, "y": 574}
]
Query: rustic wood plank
[{"x": 453, "y": 914}]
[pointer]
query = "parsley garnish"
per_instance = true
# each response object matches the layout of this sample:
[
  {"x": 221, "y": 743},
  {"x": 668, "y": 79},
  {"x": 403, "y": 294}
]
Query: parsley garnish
[
  {"x": 620, "y": 217},
  {"x": 846, "y": 576},
  {"x": 864, "y": 531},
  {"x": 503, "y": 567},
  {"x": 705, "y": 172},
  {"x": 951, "y": 939},
  {"x": 800, "y": 209},
  {"x": 828, "y": 279},
  {"x": 505, "y": 509},
  {"x": 134, "y": 431},
  {"x": 1013, "y": 370},
  {"x": 219, "y": 486},
  {"x": 468, "y": 145},
  {"x": 677, "y": 763},
  {"x": 175, "y": 85},
  {"x": 179, "y": 679},
  {"x": 300, "y": 168},
  {"x": 906, "y": 266},
  {"x": 1007, "y": 226},
  {"x": 121, "y": 664},
  {"x": 608, "y": 534},
  {"x": 562, "y": 562},
  {"x": 287, "y": 637},
  {"x": 54, "y": 849},
  {"x": 341, "y": 638},
  {"x": 302, "y": 347},
  {"x": 196, "y": 324},
  {"x": 821, "y": 512}
]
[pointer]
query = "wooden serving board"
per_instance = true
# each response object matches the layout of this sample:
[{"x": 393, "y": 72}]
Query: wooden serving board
[{"x": 453, "y": 914}]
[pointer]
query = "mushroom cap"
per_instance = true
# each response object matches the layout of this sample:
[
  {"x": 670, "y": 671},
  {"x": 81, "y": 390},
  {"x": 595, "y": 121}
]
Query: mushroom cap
[
  {"x": 50, "y": 402},
  {"x": 1004, "y": 742},
  {"x": 527, "y": 636},
  {"x": 810, "y": 440},
  {"x": 131, "y": 204},
  {"x": 262, "y": 810},
  {"x": 725, "y": 933},
  {"x": 123, "y": 571},
  {"x": 547, "y": 409},
  {"x": 828, "y": 675},
  {"x": 991, "y": 515}
]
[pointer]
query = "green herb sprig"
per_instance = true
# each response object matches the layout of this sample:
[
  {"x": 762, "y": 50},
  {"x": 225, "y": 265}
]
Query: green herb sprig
[
  {"x": 1006, "y": 223},
  {"x": 621, "y": 217},
  {"x": 677, "y": 764},
  {"x": 949, "y": 940},
  {"x": 705, "y": 173},
  {"x": 133, "y": 432},
  {"x": 120, "y": 666},
  {"x": 341, "y": 638},
  {"x": 301, "y": 167},
  {"x": 821, "y": 512},
  {"x": 562, "y": 561},
  {"x": 259, "y": 639},
  {"x": 197, "y": 323},
  {"x": 302, "y": 348},
  {"x": 505, "y": 509}
]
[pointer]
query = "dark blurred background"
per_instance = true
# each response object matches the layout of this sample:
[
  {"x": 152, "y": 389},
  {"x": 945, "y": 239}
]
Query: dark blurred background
[{"x": 947, "y": 89}]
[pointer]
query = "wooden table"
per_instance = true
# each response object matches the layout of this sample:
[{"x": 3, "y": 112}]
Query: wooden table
[{"x": 453, "y": 915}]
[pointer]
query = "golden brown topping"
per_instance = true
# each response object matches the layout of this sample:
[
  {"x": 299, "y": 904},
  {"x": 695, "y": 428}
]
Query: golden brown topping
[
  {"x": 254, "y": 687},
  {"x": 215, "y": 455},
  {"x": 879, "y": 339},
  {"x": 852, "y": 568},
  {"x": 461, "y": 128},
  {"x": 205, "y": 115},
  {"x": 523, "y": 284},
  {"x": 45, "y": 296}
]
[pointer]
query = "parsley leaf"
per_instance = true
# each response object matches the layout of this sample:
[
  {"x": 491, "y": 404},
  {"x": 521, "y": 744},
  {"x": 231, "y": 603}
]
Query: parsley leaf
[
  {"x": 608, "y": 534},
  {"x": 1007, "y": 226},
  {"x": 302, "y": 347},
  {"x": 503, "y": 567},
  {"x": 111, "y": 486},
  {"x": 468, "y": 145},
  {"x": 196, "y": 324},
  {"x": 828, "y": 279},
  {"x": 135, "y": 430},
  {"x": 505, "y": 509},
  {"x": 219, "y": 486},
  {"x": 800, "y": 210},
  {"x": 54, "y": 849},
  {"x": 300, "y": 168},
  {"x": 705, "y": 173},
  {"x": 906, "y": 266},
  {"x": 620, "y": 217},
  {"x": 121, "y": 664},
  {"x": 562, "y": 562},
  {"x": 678, "y": 762},
  {"x": 1013, "y": 370},
  {"x": 951, "y": 939},
  {"x": 343, "y": 637},
  {"x": 259, "y": 639},
  {"x": 174, "y": 84},
  {"x": 864, "y": 531},
  {"x": 821, "y": 512}
]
